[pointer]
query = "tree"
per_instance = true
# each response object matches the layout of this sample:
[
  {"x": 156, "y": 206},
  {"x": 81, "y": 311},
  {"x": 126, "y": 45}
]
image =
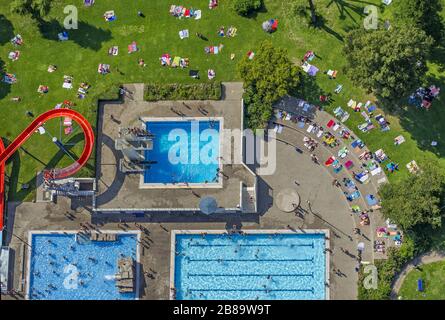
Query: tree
[
  {"x": 416, "y": 201},
  {"x": 424, "y": 14},
  {"x": 35, "y": 8},
  {"x": 245, "y": 7},
  {"x": 313, "y": 13},
  {"x": 268, "y": 77},
  {"x": 389, "y": 63}
]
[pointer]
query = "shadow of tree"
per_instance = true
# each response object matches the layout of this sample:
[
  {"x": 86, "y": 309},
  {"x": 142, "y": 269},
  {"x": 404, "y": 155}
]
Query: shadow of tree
[
  {"x": 427, "y": 126},
  {"x": 309, "y": 89},
  {"x": 254, "y": 14},
  {"x": 6, "y": 30},
  {"x": 87, "y": 36},
  {"x": 345, "y": 7},
  {"x": 321, "y": 24},
  {"x": 5, "y": 88}
]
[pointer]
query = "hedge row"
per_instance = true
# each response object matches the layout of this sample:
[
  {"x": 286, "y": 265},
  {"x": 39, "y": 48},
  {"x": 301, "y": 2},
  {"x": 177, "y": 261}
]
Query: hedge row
[{"x": 197, "y": 91}]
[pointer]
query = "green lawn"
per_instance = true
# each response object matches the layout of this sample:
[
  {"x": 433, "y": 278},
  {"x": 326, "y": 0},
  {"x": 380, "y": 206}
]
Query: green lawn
[
  {"x": 156, "y": 34},
  {"x": 433, "y": 276}
]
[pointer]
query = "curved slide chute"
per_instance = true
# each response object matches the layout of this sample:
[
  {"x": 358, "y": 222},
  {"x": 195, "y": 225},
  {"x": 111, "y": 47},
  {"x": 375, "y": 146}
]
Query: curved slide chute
[{"x": 6, "y": 153}]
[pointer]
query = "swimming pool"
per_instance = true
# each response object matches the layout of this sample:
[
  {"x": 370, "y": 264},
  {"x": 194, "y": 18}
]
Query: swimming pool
[
  {"x": 184, "y": 152},
  {"x": 257, "y": 265},
  {"x": 62, "y": 266}
]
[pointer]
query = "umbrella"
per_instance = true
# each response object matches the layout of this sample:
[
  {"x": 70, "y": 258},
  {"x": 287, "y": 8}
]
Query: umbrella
[{"x": 208, "y": 205}]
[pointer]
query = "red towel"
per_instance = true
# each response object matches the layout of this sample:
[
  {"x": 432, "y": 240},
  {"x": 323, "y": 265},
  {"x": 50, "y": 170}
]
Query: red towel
[{"x": 331, "y": 123}]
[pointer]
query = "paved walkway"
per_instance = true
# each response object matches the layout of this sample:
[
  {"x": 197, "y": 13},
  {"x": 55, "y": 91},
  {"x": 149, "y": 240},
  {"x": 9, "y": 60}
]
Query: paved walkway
[
  {"x": 293, "y": 134},
  {"x": 425, "y": 258}
]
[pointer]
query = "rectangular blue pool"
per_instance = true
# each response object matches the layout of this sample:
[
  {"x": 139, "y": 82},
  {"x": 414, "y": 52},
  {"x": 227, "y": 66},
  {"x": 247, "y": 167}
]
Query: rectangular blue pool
[
  {"x": 184, "y": 152},
  {"x": 287, "y": 266},
  {"x": 65, "y": 267}
]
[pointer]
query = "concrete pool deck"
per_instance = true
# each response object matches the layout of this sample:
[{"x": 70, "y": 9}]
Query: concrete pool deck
[
  {"x": 119, "y": 192},
  {"x": 174, "y": 233},
  {"x": 322, "y": 205}
]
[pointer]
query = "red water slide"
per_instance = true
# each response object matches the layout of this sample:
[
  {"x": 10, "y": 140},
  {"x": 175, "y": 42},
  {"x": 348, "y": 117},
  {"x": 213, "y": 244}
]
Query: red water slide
[{"x": 7, "y": 152}]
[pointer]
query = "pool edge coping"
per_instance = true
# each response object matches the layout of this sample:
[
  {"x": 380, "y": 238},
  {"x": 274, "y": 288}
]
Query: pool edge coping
[
  {"x": 29, "y": 251},
  {"x": 182, "y": 185},
  {"x": 326, "y": 232}
]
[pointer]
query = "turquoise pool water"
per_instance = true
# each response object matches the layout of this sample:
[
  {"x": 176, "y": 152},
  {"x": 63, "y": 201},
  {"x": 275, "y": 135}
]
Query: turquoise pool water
[
  {"x": 251, "y": 266},
  {"x": 62, "y": 268},
  {"x": 184, "y": 152}
]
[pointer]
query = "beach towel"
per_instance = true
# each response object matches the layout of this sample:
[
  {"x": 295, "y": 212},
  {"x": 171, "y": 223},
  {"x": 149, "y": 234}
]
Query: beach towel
[
  {"x": 278, "y": 128},
  {"x": 197, "y": 14},
  {"x": 310, "y": 128},
  {"x": 63, "y": 36},
  {"x": 114, "y": 50},
  {"x": 336, "y": 126},
  {"x": 184, "y": 34},
  {"x": 301, "y": 125},
  {"x": 132, "y": 47},
  {"x": 371, "y": 200},
  {"x": 330, "y": 123},
  {"x": 109, "y": 15},
  {"x": 67, "y": 122},
  {"x": 14, "y": 55},
  {"x": 176, "y": 61},
  {"x": 349, "y": 164}
]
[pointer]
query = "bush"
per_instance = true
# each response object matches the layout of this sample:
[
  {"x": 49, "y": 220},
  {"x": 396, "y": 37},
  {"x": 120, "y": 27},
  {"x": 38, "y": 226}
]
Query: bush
[
  {"x": 199, "y": 91},
  {"x": 299, "y": 9},
  {"x": 387, "y": 270},
  {"x": 246, "y": 7}
]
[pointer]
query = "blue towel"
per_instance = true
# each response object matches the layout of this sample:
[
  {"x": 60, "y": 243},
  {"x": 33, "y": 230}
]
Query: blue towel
[{"x": 420, "y": 285}]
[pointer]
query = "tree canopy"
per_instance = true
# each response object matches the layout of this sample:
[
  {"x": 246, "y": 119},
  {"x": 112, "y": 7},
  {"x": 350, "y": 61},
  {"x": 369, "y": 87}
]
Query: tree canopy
[
  {"x": 36, "y": 8},
  {"x": 246, "y": 7},
  {"x": 389, "y": 63},
  {"x": 269, "y": 76},
  {"x": 416, "y": 201},
  {"x": 424, "y": 14}
]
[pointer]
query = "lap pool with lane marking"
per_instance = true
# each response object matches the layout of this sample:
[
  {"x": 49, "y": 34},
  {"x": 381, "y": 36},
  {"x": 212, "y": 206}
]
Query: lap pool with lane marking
[{"x": 288, "y": 266}]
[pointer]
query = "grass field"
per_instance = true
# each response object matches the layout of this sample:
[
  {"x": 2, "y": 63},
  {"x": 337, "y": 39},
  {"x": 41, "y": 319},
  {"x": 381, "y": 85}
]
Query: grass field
[
  {"x": 433, "y": 276},
  {"x": 156, "y": 34}
]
